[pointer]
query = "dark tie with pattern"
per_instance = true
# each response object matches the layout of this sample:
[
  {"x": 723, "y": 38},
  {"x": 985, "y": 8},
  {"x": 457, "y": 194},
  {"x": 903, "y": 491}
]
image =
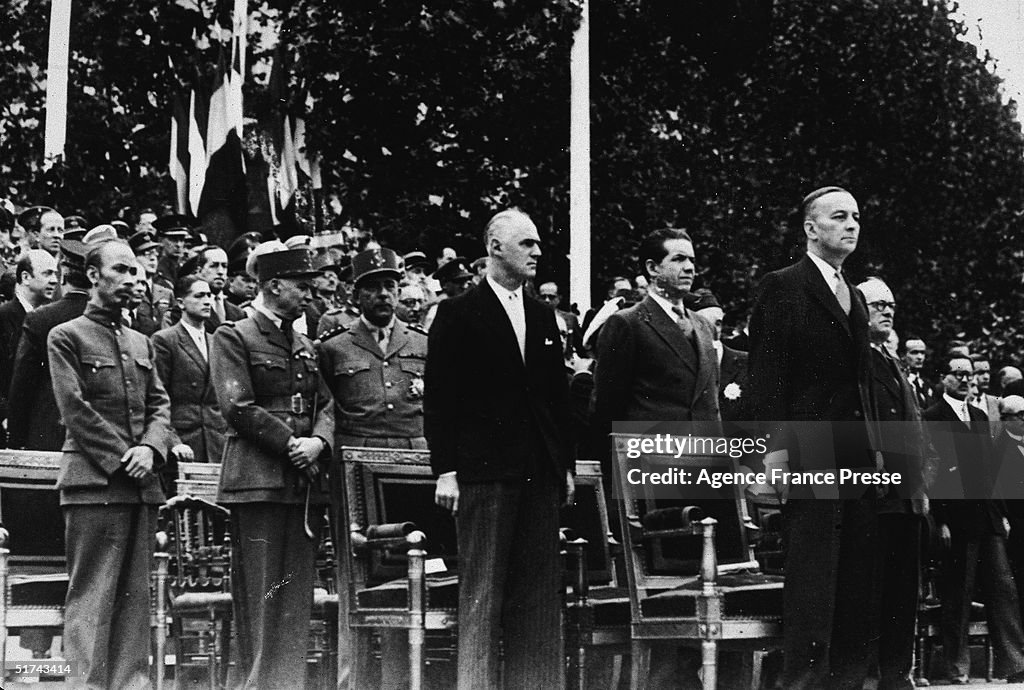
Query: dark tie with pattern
[
  {"x": 683, "y": 320},
  {"x": 843, "y": 293}
]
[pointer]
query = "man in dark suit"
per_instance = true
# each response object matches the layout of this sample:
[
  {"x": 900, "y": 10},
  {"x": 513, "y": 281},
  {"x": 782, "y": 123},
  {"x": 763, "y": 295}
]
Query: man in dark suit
[
  {"x": 182, "y": 359},
  {"x": 118, "y": 425},
  {"x": 35, "y": 284},
  {"x": 906, "y": 449},
  {"x": 973, "y": 525},
  {"x": 810, "y": 362},
  {"x": 496, "y": 418},
  {"x": 549, "y": 294},
  {"x": 34, "y": 423},
  {"x": 656, "y": 360},
  {"x": 211, "y": 264},
  {"x": 914, "y": 355},
  {"x": 732, "y": 364},
  {"x": 280, "y": 416}
]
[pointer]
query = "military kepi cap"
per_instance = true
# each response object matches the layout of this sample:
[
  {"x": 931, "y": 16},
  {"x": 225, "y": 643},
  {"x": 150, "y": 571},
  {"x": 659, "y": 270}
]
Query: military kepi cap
[
  {"x": 141, "y": 242},
  {"x": 376, "y": 261},
  {"x": 177, "y": 226},
  {"x": 454, "y": 270},
  {"x": 72, "y": 253},
  {"x": 291, "y": 263}
]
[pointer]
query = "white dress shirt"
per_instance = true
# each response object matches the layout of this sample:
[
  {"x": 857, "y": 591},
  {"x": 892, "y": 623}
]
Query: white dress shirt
[
  {"x": 512, "y": 303},
  {"x": 959, "y": 407},
  {"x": 198, "y": 336},
  {"x": 829, "y": 272}
]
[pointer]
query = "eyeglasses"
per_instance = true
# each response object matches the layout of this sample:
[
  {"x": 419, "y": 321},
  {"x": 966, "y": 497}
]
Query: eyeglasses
[
  {"x": 882, "y": 305},
  {"x": 960, "y": 374},
  {"x": 549, "y": 298},
  {"x": 411, "y": 302}
]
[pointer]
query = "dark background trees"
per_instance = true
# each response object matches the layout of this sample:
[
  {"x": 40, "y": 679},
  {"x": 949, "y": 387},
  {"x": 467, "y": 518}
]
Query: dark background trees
[{"x": 716, "y": 116}]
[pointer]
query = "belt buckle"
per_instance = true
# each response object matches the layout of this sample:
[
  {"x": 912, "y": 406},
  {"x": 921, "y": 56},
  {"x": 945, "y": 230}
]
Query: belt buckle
[{"x": 298, "y": 404}]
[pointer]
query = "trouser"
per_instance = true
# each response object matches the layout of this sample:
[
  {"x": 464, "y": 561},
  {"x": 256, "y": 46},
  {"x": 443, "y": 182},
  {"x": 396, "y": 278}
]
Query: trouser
[
  {"x": 509, "y": 585},
  {"x": 272, "y": 586},
  {"x": 109, "y": 551}
]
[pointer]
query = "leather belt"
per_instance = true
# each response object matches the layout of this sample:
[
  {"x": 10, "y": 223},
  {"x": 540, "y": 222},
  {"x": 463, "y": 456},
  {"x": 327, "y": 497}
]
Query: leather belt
[{"x": 294, "y": 404}]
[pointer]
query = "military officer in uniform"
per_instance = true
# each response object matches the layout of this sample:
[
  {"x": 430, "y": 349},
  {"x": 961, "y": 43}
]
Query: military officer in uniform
[
  {"x": 280, "y": 419},
  {"x": 118, "y": 427},
  {"x": 374, "y": 368}
]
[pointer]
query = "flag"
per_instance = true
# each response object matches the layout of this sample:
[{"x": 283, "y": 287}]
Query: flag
[
  {"x": 224, "y": 187},
  {"x": 198, "y": 110},
  {"x": 179, "y": 158},
  {"x": 309, "y": 165}
]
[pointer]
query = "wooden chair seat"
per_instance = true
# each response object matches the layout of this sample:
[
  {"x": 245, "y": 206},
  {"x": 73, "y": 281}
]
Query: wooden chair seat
[
  {"x": 609, "y": 606},
  {"x": 442, "y": 592},
  {"x": 745, "y": 593}
]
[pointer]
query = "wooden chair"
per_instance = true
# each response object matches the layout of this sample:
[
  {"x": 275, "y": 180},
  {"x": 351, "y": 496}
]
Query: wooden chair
[
  {"x": 597, "y": 608},
  {"x": 193, "y": 587},
  {"x": 394, "y": 526},
  {"x": 33, "y": 570},
  {"x": 691, "y": 572}
]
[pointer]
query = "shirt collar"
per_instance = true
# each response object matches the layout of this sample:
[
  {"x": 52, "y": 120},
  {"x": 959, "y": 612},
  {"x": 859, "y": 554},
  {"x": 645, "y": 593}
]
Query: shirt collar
[
  {"x": 664, "y": 304},
  {"x": 957, "y": 405},
  {"x": 503, "y": 292},
  {"x": 373, "y": 328},
  {"x": 828, "y": 271},
  {"x": 103, "y": 315},
  {"x": 196, "y": 333},
  {"x": 262, "y": 309}
]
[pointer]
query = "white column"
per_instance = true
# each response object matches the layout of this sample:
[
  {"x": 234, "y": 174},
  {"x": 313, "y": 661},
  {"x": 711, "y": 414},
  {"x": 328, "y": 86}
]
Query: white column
[
  {"x": 579, "y": 164},
  {"x": 57, "y": 80}
]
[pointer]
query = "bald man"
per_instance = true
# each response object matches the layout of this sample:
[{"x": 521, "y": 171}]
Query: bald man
[{"x": 900, "y": 515}]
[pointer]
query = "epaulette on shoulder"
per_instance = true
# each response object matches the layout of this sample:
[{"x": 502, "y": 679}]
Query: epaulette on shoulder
[
  {"x": 417, "y": 328},
  {"x": 333, "y": 310},
  {"x": 337, "y": 330}
]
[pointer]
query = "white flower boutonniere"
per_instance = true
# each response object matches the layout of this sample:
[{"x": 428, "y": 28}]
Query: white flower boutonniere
[
  {"x": 732, "y": 391},
  {"x": 416, "y": 388}
]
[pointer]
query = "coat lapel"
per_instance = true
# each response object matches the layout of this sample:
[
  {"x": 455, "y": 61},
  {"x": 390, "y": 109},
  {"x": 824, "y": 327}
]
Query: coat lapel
[
  {"x": 273, "y": 333},
  {"x": 707, "y": 364},
  {"x": 668, "y": 330},
  {"x": 819, "y": 289},
  {"x": 190, "y": 348},
  {"x": 494, "y": 317},
  {"x": 362, "y": 337},
  {"x": 399, "y": 338}
]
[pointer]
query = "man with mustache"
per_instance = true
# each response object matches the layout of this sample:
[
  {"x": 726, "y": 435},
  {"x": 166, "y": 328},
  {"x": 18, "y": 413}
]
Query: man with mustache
[
  {"x": 117, "y": 416},
  {"x": 374, "y": 368}
]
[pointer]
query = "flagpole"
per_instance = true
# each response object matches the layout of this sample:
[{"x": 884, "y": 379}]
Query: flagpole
[
  {"x": 57, "y": 81},
  {"x": 579, "y": 164}
]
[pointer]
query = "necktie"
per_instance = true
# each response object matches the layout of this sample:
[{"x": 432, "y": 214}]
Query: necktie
[
  {"x": 218, "y": 306},
  {"x": 843, "y": 293},
  {"x": 287, "y": 330},
  {"x": 682, "y": 320},
  {"x": 518, "y": 318},
  {"x": 382, "y": 340}
]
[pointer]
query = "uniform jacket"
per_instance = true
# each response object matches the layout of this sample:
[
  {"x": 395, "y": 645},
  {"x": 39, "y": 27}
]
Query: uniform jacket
[
  {"x": 111, "y": 399},
  {"x": 377, "y": 394},
  {"x": 34, "y": 422},
  {"x": 195, "y": 412},
  {"x": 486, "y": 413},
  {"x": 157, "y": 302},
  {"x": 646, "y": 371},
  {"x": 334, "y": 318},
  {"x": 269, "y": 390}
]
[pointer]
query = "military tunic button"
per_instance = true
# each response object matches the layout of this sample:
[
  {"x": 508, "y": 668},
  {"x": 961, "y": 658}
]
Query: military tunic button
[
  {"x": 124, "y": 357},
  {"x": 298, "y": 376},
  {"x": 385, "y": 364},
  {"x": 391, "y": 406},
  {"x": 387, "y": 384}
]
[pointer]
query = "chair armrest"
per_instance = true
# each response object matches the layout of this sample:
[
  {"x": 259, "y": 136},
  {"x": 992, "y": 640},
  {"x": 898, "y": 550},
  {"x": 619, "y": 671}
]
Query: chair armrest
[
  {"x": 389, "y": 536},
  {"x": 576, "y": 550}
]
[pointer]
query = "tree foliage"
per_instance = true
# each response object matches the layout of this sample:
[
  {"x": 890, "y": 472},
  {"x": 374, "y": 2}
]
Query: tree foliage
[{"x": 715, "y": 115}]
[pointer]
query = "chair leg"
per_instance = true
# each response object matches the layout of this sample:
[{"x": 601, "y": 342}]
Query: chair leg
[
  {"x": 359, "y": 676},
  {"x": 757, "y": 668},
  {"x": 641, "y": 665},
  {"x": 416, "y": 658},
  {"x": 211, "y": 655},
  {"x": 990, "y": 662},
  {"x": 709, "y": 664},
  {"x": 616, "y": 672},
  {"x": 225, "y": 651}
]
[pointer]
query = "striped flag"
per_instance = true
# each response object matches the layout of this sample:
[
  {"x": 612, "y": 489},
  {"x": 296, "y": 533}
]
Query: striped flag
[
  {"x": 179, "y": 157},
  {"x": 198, "y": 108}
]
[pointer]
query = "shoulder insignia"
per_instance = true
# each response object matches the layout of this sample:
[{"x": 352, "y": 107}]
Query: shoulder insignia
[
  {"x": 337, "y": 330},
  {"x": 416, "y": 328},
  {"x": 333, "y": 310}
]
